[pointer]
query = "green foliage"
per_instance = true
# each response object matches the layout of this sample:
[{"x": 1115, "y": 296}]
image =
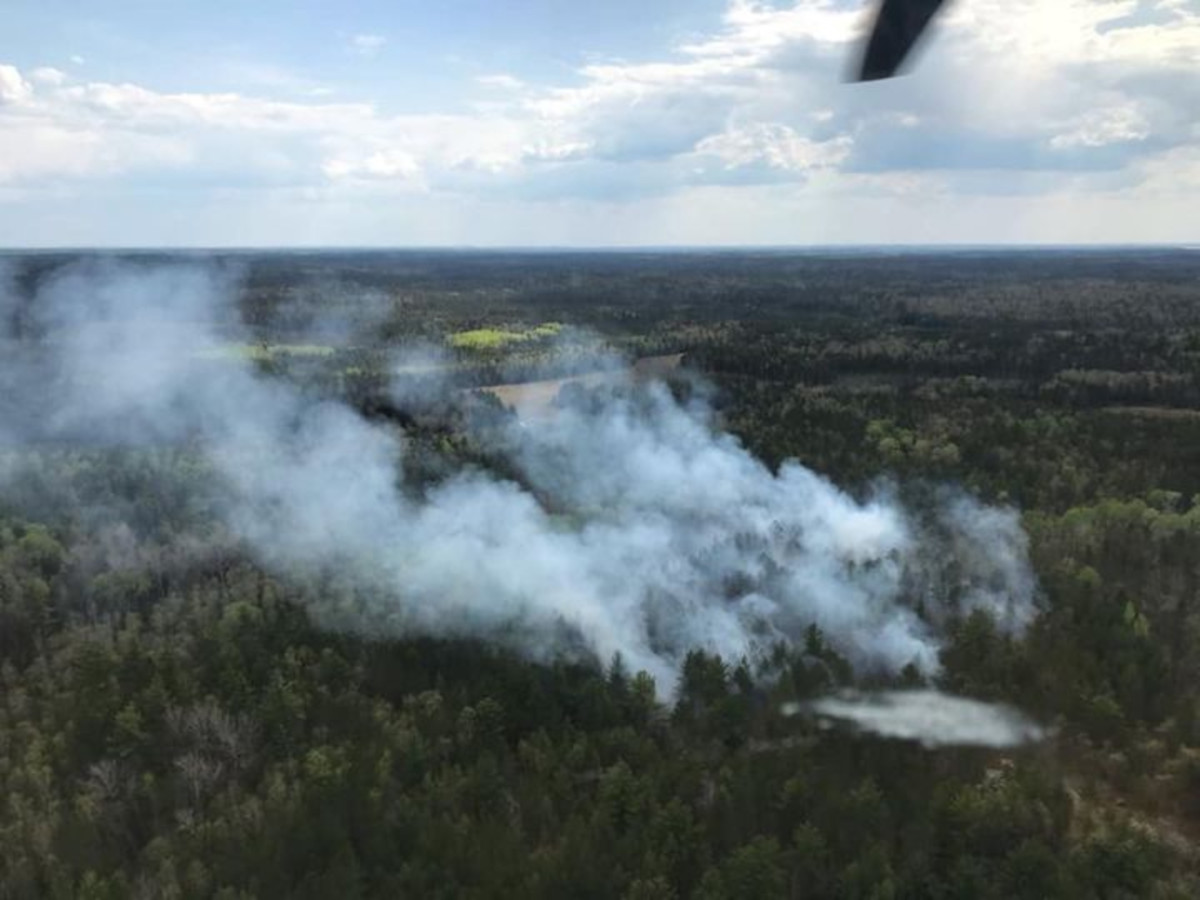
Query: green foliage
[
  {"x": 496, "y": 338},
  {"x": 755, "y": 872},
  {"x": 176, "y": 722}
]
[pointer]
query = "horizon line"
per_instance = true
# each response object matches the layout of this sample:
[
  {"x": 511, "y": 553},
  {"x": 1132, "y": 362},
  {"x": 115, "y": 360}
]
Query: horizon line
[{"x": 595, "y": 248}]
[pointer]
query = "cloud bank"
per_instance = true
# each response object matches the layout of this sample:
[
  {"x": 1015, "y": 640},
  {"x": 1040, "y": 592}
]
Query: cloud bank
[{"x": 1082, "y": 104}]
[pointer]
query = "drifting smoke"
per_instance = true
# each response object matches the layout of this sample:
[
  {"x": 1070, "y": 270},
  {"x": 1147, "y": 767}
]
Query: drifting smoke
[
  {"x": 932, "y": 719},
  {"x": 665, "y": 535}
]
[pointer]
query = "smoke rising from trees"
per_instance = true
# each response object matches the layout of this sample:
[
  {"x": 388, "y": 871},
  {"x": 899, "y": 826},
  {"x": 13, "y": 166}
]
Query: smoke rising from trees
[
  {"x": 640, "y": 529},
  {"x": 932, "y": 719}
]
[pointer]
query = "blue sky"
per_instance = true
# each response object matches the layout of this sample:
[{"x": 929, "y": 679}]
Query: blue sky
[{"x": 553, "y": 122}]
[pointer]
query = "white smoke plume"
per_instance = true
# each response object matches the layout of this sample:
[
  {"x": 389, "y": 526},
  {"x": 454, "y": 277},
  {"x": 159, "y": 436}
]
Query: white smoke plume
[
  {"x": 931, "y": 718},
  {"x": 646, "y": 533}
]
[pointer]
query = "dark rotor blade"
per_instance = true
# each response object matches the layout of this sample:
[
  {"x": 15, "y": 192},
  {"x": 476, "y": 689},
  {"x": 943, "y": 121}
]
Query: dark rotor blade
[{"x": 897, "y": 27}]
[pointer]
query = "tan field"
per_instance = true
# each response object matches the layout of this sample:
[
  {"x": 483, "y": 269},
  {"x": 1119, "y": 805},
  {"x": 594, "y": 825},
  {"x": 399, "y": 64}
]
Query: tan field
[{"x": 535, "y": 399}]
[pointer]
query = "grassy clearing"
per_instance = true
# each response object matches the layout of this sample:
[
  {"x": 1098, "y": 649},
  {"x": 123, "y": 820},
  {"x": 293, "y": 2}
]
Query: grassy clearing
[
  {"x": 536, "y": 399},
  {"x": 495, "y": 338}
]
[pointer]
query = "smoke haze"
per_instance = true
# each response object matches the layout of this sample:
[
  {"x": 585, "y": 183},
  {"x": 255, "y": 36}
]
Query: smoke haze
[
  {"x": 932, "y": 718},
  {"x": 665, "y": 534}
]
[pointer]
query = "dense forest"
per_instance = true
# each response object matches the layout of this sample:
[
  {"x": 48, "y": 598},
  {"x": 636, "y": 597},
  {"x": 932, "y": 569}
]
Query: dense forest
[{"x": 180, "y": 718}]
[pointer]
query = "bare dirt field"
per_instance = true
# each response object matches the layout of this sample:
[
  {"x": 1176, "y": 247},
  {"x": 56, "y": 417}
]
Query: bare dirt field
[{"x": 535, "y": 399}]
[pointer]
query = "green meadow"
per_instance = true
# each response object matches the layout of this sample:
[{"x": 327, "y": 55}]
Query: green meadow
[{"x": 496, "y": 338}]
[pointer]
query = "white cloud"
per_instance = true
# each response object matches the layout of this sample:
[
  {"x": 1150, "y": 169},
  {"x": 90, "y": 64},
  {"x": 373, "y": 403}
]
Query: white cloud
[
  {"x": 1100, "y": 127},
  {"x": 13, "y": 88},
  {"x": 48, "y": 75},
  {"x": 391, "y": 165},
  {"x": 1007, "y": 92},
  {"x": 774, "y": 146},
  {"x": 367, "y": 44},
  {"x": 500, "y": 81},
  {"x": 755, "y": 29}
]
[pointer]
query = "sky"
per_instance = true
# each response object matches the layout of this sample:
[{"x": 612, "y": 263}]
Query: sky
[{"x": 625, "y": 123}]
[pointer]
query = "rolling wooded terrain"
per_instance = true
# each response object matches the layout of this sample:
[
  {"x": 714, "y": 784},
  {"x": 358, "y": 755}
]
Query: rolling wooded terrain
[{"x": 181, "y": 720}]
